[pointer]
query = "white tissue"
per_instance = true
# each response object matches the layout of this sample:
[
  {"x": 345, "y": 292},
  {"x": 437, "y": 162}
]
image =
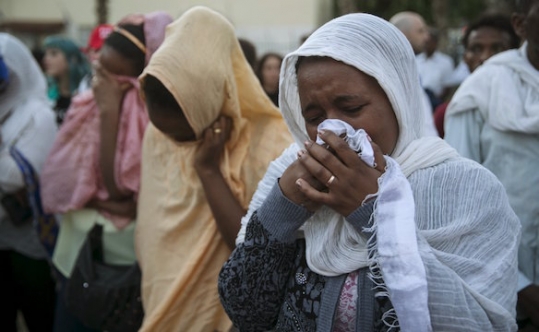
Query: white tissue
[{"x": 356, "y": 139}]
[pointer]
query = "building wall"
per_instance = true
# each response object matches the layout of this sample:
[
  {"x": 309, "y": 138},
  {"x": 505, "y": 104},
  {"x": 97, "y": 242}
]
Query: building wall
[{"x": 272, "y": 25}]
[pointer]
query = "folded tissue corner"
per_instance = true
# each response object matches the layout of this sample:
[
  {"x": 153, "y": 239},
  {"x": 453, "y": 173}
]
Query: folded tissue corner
[{"x": 356, "y": 139}]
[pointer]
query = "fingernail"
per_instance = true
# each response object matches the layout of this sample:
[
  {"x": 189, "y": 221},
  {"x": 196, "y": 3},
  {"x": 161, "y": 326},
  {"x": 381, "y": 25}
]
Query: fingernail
[
  {"x": 308, "y": 143},
  {"x": 298, "y": 182},
  {"x": 321, "y": 132},
  {"x": 301, "y": 153}
]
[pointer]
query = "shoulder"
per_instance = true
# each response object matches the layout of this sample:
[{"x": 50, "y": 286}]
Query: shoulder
[
  {"x": 474, "y": 92},
  {"x": 36, "y": 113},
  {"x": 442, "y": 57},
  {"x": 459, "y": 177},
  {"x": 461, "y": 190}
]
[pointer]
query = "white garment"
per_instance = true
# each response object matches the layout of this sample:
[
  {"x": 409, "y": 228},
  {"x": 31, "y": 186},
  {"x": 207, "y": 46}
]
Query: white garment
[
  {"x": 506, "y": 81},
  {"x": 494, "y": 120},
  {"x": 435, "y": 71},
  {"x": 28, "y": 123},
  {"x": 27, "y": 120},
  {"x": 474, "y": 275},
  {"x": 459, "y": 74},
  {"x": 356, "y": 139}
]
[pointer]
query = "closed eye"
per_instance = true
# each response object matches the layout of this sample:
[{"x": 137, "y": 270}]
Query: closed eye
[
  {"x": 353, "y": 110},
  {"x": 314, "y": 119}
]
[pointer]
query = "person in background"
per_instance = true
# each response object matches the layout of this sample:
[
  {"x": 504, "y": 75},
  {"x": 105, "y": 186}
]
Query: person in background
[
  {"x": 376, "y": 231},
  {"x": 27, "y": 124},
  {"x": 95, "y": 42},
  {"x": 490, "y": 34},
  {"x": 92, "y": 175},
  {"x": 413, "y": 26},
  {"x": 249, "y": 50},
  {"x": 434, "y": 69},
  {"x": 267, "y": 72},
  {"x": 494, "y": 119},
  {"x": 38, "y": 55},
  {"x": 414, "y": 29},
  {"x": 212, "y": 135},
  {"x": 65, "y": 66}
]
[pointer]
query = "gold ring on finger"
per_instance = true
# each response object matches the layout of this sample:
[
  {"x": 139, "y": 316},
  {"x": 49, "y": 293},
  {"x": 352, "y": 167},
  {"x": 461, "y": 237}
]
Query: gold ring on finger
[
  {"x": 217, "y": 130},
  {"x": 330, "y": 181}
]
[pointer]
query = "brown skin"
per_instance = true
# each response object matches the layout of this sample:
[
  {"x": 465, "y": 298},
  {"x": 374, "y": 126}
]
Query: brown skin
[
  {"x": 171, "y": 122},
  {"x": 270, "y": 74},
  {"x": 413, "y": 27},
  {"x": 57, "y": 67},
  {"x": 528, "y": 303},
  {"x": 109, "y": 94},
  {"x": 527, "y": 28},
  {"x": 330, "y": 89},
  {"x": 225, "y": 207},
  {"x": 484, "y": 43},
  {"x": 430, "y": 46}
]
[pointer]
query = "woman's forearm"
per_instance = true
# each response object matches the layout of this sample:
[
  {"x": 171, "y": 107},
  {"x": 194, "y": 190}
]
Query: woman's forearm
[
  {"x": 109, "y": 134},
  {"x": 225, "y": 207}
]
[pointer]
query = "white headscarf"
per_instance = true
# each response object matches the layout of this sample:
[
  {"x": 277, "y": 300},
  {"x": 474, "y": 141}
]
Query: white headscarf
[
  {"x": 505, "y": 90},
  {"x": 333, "y": 247},
  {"x": 26, "y": 91},
  {"x": 380, "y": 50}
]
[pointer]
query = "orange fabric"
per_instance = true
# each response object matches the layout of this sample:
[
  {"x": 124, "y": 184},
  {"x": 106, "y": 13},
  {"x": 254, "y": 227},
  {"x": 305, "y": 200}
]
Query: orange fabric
[{"x": 179, "y": 247}]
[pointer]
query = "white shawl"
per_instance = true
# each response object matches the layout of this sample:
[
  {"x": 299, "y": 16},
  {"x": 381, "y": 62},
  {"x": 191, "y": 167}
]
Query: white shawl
[
  {"x": 26, "y": 118},
  {"x": 378, "y": 49},
  {"x": 26, "y": 92},
  {"x": 505, "y": 90}
]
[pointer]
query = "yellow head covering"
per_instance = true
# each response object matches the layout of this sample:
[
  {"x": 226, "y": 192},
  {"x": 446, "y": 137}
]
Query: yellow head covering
[{"x": 178, "y": 245}]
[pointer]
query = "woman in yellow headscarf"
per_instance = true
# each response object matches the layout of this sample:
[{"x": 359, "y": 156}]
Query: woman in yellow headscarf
[{"x": 212, "y": 135}]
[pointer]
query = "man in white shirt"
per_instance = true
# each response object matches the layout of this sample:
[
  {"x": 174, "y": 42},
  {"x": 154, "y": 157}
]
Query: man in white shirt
[
  {"x": 414, "y": 29},
  {"x": 494, "y": 120},
  {"x": 435, "y": 67}
]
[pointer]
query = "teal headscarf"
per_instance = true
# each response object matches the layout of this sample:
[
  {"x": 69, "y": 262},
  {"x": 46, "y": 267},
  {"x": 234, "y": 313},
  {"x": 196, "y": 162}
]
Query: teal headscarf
[{"x": 78, "y": 65}]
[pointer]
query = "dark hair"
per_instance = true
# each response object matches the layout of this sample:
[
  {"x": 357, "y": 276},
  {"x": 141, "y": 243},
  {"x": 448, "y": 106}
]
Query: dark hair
[
  {"x": 261, "y": 62},
  {"x": 497, "y": 21},
  {"x": 126, "y": 47},
  {"x": 157, "y": 94},
  {"x": 249, "y": 50},
  {"x": 434, "y": 33},
  {"x": 523, "y": 6}
]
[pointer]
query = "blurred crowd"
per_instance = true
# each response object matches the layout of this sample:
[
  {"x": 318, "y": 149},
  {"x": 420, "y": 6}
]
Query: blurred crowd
[{"x": 165, "y": 177}]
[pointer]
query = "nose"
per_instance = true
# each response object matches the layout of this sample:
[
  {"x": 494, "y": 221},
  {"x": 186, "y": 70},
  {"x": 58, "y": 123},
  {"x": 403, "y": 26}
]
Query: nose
[{"x": 332, "y": 114}]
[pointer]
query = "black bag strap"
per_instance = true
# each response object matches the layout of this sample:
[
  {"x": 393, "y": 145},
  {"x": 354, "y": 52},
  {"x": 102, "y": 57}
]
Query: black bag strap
[{"x": 95, "y": 237}]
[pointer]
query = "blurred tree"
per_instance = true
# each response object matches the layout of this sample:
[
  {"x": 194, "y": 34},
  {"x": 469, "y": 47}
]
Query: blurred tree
[
  {"x": 442, "y": 14},
  {"x": 499, "y": 5},
  {"x": 345, "y": 7},
  {"x": 439, "y": 13},
  {"x": 102, "y": 11},
  {"x": 440, "y": 18}
]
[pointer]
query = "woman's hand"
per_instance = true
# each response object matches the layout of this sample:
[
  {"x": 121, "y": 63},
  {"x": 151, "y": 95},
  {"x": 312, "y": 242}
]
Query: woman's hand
[
  {"x": 209, "y": 152},
  {"x": 224, "y": 205},
  {"x": 108, "y": 92},
  {"x": 290, "y": 189},
  {"x": 348, "y": 179}
]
